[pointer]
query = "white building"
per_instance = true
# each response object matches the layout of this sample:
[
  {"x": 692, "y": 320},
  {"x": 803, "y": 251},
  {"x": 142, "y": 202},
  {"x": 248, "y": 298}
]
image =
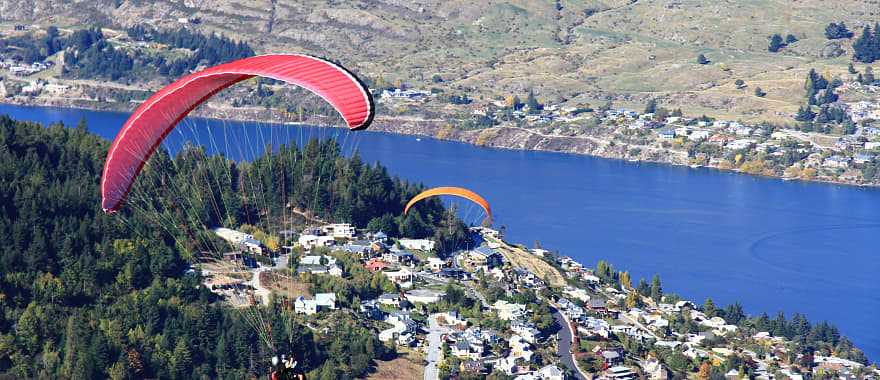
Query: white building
[
  {"x": 402, "y": 276},
  {"x": 698, "y": 135},
  {"x": 232, "y": 236},
  {"x": 424, "y": 296},
  {"x": 340, "y": 230},
  {"x": 417, "y": 244},
  {"x": 509, "y": 311},
  {"x": 435, "y": 264},
  {"x": 318, "y": 260},
  {"x": 322, "y": 301},
  {"x": 308, "y": 241}
]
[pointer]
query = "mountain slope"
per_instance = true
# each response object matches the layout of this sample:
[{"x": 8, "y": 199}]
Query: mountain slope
[{"x": 581, "y": 51}]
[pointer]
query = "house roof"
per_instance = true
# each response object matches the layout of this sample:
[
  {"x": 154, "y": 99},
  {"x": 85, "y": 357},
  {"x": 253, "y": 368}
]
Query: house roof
[{"x": 484, "y": 251}]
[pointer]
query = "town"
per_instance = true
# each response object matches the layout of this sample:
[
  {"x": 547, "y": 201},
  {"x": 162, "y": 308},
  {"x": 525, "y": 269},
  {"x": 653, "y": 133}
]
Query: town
[
  {"x": 843, "y": 151},
  {"x": 505, "y": 311}
]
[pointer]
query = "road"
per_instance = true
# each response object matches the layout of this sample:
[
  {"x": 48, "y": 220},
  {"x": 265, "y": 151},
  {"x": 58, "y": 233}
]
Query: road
[
  {"x": 563, "y": 345},
  {"x": 435, "y": 331},
  {"x": 260, "y": 292}
]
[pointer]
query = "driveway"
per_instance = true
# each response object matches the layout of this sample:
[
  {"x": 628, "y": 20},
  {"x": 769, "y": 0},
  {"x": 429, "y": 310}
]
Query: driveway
[{"x": 435, "y": 331}]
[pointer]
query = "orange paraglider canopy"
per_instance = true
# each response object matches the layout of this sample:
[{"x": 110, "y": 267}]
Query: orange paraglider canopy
[{"x": 456, "y": 191}]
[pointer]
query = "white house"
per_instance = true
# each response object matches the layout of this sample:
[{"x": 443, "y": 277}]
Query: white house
[
  {"x": 509, "y": 311},
  {"x": 435, "y": 264},
  {"x": 253, "y": 246},
  {"x": 550, "y": 372},
  {"x": 317, "y": 260},
  {"x": 339, "y": 230},
  {"x": 417, "y": 244},
  {"x": 402, "y": 328},
  {"x": 309, "y": 241},
  {"x": 402, "y": 276},
  {"x": 335, "y": 271},
  {"x": 526, "y": 330},
  {"x": 698, "y": 135},
  {"x": 232, "y": 236},
  {"x": 424, "y": 296},
  {"x": 520, "y": 348},
  {"x": 321, "y": 302}
]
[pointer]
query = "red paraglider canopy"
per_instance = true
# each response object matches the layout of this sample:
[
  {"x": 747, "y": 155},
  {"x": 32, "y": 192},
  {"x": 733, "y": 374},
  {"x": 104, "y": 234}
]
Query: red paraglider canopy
[{"x": 158, "y": 115}]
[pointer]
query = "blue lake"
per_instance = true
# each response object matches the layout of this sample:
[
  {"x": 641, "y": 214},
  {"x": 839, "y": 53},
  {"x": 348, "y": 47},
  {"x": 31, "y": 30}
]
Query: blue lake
[{"x": 773, "y": 245}]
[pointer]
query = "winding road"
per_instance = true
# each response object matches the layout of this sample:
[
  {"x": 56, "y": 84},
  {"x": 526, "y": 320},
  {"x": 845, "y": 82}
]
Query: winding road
[{"x": 563, "y": 344}]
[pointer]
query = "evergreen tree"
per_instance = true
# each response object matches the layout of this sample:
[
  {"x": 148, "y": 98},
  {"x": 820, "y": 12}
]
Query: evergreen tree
[
  {"x": 868, "y": 77},
  {"x": 776, "y": 43},
  {"x": 805, "y": 114},
  {"x": 701, "y": 59},
  {"x": 651, "y": 107},
  {"x": 851, "y": 69},
  {"x": 834, "y": 31},
  {"x": 709, "y": 308},
  {"x": 656, "y": 288},
  {"x": 532, "y": 102},
  {"x": 790, "y": 39},
  {"x": 865, "y": 48},
  {"x": 759, "y": 92},
  {"x": 643, "y": 288}
]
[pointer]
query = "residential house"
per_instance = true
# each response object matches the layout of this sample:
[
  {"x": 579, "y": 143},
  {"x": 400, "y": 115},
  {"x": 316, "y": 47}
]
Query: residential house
[
  {"x": 526, "y": 330},
  {"x": 611, "y": 357},
  {"x": 699, "y": 135},
  {"x": 621, "y": 373},
  {"x": 398, "y": 257},
  {"x": 403, "y": 329},
  {"x": 339, "y": 230},
  {"x": 509, "y": 311},
  {"x": 485, "y": 257},
  {"x": 390, "y": 299},
  {"x": 322, "y": 301},
  {"x": 361, "y": 248},
  {"x": 836, "y": 161},
  {"x": 375, "y": 265},
  {"x": 417, "y": 244},
  {"x": 317, "y": 260},
  {"x": 464, "y": 349},
  {"x": 863, "y": 158},
  {"x": 232, "y": 236},
  {"x": 598, "y": 305},
  {"x": 577, "y": 293},
  {"x": 435, "y": 264},
  {"x": 336, "y": 271},
  {"x": 402, "y": 276},
  {"x": 309, "y": 241},
  {"x": 550, "y": 372},
  {"x": 520, "y": 348},
  {"x": 424, "y": 296},
  {"x": 666, "y": 133}
]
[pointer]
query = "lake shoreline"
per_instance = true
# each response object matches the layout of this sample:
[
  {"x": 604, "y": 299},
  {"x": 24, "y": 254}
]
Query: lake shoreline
[
  {"x": 733, "y": 238},
  {"x": 501, "y": 137}
]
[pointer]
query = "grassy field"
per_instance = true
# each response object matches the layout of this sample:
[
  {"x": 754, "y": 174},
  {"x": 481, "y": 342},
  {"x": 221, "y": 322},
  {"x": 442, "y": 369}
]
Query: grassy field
[
  {"x": 409, "y": 365},
  {"x": 521, "y": 258}
]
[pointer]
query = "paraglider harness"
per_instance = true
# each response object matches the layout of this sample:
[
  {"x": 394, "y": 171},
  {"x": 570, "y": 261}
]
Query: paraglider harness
[{"x": 285, "y": 369}]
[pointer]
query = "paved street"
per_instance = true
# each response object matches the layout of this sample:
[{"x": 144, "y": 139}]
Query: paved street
[
  {"x": 434, "y": 347},
  {"x": 564, "y": 344}
]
